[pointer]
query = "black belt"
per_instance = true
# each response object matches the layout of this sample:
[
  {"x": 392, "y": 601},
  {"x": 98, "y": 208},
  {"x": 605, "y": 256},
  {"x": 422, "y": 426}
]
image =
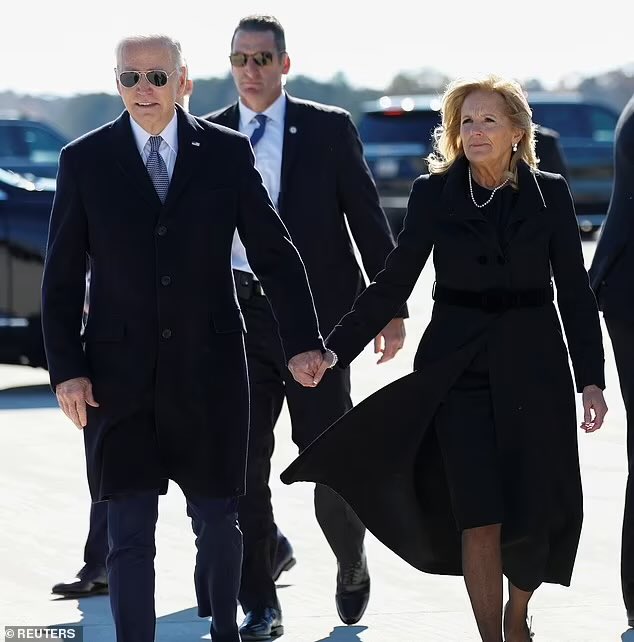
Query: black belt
[
  {"x": 493, "y": 300},
  {"x": 247, "y": 285}
]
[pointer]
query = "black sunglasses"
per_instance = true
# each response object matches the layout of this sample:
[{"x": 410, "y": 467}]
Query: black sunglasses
[
  {"x": 261, "y": 58},
  {"x": 156, "y": 77}
]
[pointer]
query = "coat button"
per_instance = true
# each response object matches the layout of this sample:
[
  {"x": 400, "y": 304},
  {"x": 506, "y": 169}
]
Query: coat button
[
  {"x": 482, "y": 260},
  {"x": 165, "y": 280},
  {"x": 161, "y": 230},
  {"x": 166, "y": 334}
]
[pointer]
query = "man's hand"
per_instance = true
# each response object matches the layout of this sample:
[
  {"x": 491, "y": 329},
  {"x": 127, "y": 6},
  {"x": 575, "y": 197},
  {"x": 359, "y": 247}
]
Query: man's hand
[
  {"x": 390, "y": 340},
  {"x": 72, "y": 396},
  {"x": 327, "y": 362},
  {"x": 304, "y": 367},
  {"x": 593, "y": 401}
]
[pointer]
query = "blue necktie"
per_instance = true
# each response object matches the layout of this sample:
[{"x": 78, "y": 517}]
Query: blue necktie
[
  {"x": 157, "y": 169},
  {"x": 259, "y": 131}
]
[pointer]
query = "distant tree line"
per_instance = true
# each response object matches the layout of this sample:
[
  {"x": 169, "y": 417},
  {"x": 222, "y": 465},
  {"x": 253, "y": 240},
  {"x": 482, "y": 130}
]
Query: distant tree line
[{"x": 75, "y": 115}]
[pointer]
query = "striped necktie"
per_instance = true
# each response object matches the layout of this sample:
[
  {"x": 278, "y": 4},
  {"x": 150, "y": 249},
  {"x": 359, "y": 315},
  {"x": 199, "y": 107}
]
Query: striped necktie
[
  {"x": 259, "y": 131},
  {"x": 157, "y": 169}
]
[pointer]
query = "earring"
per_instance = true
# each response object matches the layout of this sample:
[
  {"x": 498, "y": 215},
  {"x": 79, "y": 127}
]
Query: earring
[{"x": 514, "y": 147}]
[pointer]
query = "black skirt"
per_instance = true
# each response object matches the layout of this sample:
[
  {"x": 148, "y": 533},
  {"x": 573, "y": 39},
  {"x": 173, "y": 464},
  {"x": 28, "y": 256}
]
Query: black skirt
[{"x": 465, "y": 429}]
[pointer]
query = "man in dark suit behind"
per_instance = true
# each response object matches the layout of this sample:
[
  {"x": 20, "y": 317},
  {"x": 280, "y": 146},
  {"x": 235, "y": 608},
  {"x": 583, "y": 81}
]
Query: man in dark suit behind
[
  {"x": 312, "y": 163},
  {"x": 150, "y": 203},
  {"x": 612, "y": 277}
]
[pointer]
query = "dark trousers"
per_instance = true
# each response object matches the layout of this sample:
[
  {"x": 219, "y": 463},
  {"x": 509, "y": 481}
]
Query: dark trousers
[
  {"x": 622, "y": 336},
  {"x": 311, "y": 410},
  {"x": 130, "y": 564},
  {"x": 96, "y": 547}
]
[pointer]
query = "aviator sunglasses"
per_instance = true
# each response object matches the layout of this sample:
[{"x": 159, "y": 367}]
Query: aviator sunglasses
[
  {"x": 156, "y": 77},
  {"x": 260, "y": 58}
]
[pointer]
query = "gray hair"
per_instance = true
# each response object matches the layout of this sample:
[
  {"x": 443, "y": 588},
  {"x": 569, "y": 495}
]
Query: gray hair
[{"x": 174, "y": 46}]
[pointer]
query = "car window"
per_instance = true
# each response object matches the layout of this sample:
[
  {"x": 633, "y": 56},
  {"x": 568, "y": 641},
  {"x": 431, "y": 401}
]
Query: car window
[
  {"x": 10, "y": 142},
  {"x": 30, "y": 143},
  {"x": 569, "y": 120},
  {"x": 41, "y": 145},
  {"x": 602, "y": 123},
  {"x": 400, "y": 127}
]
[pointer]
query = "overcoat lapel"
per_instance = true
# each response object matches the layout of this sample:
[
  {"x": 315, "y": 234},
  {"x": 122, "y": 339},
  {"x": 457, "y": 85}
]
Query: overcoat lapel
[
  {"x": 459, "y": 207},
  {"x": 530, "y": 202},
  {"x": 457, "y": 204},
  {"x": 127, "y": 157},
  {"x": 189, "y": 151},
  {"x": 293, "y": 132},
  {"x": 230, "y": 118}
]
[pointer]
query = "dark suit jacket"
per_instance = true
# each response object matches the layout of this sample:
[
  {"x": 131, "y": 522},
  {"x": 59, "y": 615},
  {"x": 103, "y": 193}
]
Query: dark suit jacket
[
  {"x": 325, "y": 180},
  {"x": 399, "y": 487},
  {"x": 164, "y": 335},
  {"x": 549, "y": 151},
  {"x": 612, "y": 269}
]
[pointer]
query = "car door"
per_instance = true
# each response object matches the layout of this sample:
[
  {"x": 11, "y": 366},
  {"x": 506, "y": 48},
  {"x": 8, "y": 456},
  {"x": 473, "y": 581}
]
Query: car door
[
  {"x": 29, "y": 148},
  {"x": 5, "y": 268}
]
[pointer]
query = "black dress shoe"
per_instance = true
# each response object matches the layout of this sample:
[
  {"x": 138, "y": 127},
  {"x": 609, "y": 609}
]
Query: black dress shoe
[
  {"x": 262, "y": 624},
  {"x": 353, "y": 590},
  {"x": 284, "y": 559},
  {"x": 90, "y": 580}
]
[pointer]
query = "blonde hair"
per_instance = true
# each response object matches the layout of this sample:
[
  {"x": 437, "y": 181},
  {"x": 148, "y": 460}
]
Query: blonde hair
[{"x": 447, "y": 143}]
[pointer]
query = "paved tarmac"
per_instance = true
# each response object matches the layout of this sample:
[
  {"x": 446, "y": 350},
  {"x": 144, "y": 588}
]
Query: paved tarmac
[{"x": 44, "y": 512}]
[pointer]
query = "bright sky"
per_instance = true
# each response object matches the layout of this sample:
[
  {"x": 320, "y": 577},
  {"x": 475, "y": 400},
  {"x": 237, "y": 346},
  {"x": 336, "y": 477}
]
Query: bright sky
[{"x": 65, "y": 47}]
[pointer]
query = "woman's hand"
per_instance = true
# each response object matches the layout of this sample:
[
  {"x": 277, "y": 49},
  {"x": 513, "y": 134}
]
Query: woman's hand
[{"x": 594, "y": 408}]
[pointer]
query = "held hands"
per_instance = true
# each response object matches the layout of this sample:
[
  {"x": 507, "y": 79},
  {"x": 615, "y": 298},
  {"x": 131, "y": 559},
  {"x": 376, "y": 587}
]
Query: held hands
[
  {"x": 390, "y": 340},
  {"x": 72, "y": 396},
  {"x": 304, "y": 367},
  {"x": 593, "y": 400}
]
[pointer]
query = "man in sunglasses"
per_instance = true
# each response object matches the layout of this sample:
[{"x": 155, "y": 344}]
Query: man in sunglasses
[
  {"x": 92, "y": 578},
  {"x": 311, "y": 160},
  {"x": 149, "y": 204}
]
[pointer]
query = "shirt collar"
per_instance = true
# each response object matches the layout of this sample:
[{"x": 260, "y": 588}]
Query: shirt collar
[
  {"x": 276, "y": 111},
  {"x": 169, "y": 134}
]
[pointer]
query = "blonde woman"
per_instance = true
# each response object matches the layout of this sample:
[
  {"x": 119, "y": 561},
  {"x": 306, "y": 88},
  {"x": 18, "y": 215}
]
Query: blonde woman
[{"x": 471, "y": 463}]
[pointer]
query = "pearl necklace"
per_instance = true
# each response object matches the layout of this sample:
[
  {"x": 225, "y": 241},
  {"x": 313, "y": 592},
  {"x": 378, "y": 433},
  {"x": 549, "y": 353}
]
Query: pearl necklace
[{"x": 495, "y": 189}]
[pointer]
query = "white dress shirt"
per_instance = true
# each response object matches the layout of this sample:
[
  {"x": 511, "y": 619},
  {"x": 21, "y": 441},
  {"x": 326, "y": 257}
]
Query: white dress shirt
[
  {"x": 169, "y": 145},
  {"x": 268, "y": 161}
]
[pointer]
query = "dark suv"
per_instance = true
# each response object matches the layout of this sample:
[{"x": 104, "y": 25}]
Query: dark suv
[
  {"x": 29, "y": 147},
  {"x": 24, "y": 212},
  {"x": 396, "y": 132}
]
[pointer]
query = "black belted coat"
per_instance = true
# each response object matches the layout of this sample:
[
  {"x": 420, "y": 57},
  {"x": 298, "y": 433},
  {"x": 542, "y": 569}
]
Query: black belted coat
[{"x": 395, "y": 481}]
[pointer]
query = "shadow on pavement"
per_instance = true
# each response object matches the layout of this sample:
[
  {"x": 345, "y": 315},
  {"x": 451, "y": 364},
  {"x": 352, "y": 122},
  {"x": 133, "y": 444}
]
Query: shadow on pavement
[
  {"x": 345, "y": 634},
  {"x": 182, "y": 626},
  {"x": 22, "y": 397}
]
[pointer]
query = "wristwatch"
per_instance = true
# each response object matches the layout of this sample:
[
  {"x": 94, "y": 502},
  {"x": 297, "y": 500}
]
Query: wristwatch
[{"x": 335, "y": 358}]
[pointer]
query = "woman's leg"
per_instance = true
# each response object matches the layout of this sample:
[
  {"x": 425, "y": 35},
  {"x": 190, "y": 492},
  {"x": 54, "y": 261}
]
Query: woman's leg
[
  {"x": 515, "y": 612},
  {"x": 482, "y": 568}
]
